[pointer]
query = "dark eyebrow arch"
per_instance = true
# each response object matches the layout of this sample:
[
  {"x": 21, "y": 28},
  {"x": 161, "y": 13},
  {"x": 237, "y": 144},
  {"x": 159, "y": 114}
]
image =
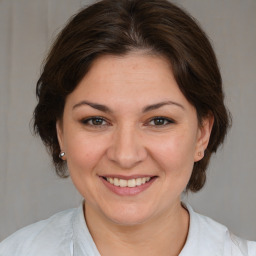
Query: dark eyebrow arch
[
  {"x": 148, "y": 108},
  {"x": 100, "y": 107},
  {"x": 161, "y": 104}
]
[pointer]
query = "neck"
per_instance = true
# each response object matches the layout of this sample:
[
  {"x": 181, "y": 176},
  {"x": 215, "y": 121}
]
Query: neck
[{"x": 165, "y": 234}]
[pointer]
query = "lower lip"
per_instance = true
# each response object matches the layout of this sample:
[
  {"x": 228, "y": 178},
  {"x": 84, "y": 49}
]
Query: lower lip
[{"x": 126, "y": 191}]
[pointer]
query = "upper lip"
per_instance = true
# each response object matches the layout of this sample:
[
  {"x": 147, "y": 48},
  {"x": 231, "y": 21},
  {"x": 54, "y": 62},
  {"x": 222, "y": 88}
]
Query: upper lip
[{"x": 125, "y": 177}]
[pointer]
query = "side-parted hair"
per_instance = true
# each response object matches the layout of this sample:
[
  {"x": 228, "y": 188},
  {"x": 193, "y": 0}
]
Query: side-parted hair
[{"x": 118, "y": 27}]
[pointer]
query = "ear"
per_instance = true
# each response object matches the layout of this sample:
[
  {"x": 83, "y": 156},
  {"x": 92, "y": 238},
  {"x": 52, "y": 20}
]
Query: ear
[
  {"x": 59, "y": 130},
  {"x": 203, "y": 136}
]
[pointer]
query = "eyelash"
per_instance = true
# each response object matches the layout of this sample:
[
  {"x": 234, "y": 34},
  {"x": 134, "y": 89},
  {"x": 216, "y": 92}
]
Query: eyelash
[
  {"x": 86, "y": 121},
  {"x": 168, "y": 120},
  {"x": 91, "y": 119}
]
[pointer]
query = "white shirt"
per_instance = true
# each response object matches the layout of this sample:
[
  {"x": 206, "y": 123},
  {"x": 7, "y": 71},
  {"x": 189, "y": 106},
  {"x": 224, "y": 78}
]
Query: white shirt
[{"x": 66, "y": 234}]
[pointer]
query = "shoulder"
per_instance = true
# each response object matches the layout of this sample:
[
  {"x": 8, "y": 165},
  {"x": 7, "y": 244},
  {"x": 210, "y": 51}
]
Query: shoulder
[
  {"x": 208, "y": 237},
  {"x": 241, "y": 246},
  {"x": 41, "y": 238},
  {"x": 229, "y": 243}
]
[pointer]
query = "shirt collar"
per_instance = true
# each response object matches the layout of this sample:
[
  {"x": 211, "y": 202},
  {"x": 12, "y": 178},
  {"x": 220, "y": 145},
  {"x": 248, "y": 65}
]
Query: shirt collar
[
  {"x": 83, "y": 244},
  {"x": 205, "y": 237}
]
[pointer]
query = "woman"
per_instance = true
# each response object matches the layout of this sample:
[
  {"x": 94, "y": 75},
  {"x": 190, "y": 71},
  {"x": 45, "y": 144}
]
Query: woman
[{"x": 130, "y": 105}]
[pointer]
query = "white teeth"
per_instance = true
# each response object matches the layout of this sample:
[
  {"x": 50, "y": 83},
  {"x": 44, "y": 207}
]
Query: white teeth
[
  {"x": 116, "y": 182},
  {"x": 138, "y": 181},
  {"x": 128, "y": 183},
  {"x": 131, "y": 183},
  {"x": 123, "y": 183}
]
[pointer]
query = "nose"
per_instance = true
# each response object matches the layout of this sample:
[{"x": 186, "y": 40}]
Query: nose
[{"x": 127, "y": 149}]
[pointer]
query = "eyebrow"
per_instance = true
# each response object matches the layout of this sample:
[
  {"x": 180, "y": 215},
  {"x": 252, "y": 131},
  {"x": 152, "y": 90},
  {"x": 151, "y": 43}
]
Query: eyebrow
[
  {"x": 106, "y": 109},
  {"x": 100, "y": 107},
  {"x": 161, "y": 104}
]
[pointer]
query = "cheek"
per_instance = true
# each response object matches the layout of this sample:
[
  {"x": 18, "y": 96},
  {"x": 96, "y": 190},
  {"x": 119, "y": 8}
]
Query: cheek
[
  {"x": 176, "y": 154},
  {"x": 83, "y": 156},
  {"x": 83, "y": 153}
]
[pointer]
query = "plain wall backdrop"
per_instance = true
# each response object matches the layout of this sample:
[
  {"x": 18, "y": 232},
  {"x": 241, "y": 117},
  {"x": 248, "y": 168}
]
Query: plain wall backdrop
[{"x": 29, "y": 189}]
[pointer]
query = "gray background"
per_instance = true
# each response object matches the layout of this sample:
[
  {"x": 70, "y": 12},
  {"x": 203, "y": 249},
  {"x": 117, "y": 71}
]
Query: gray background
[{"x": 29, "y": 189}]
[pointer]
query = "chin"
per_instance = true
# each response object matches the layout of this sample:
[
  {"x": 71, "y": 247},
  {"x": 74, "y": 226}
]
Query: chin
[
  {"x": 129, "y": 220},
  {"x": 129, "y": 216}
]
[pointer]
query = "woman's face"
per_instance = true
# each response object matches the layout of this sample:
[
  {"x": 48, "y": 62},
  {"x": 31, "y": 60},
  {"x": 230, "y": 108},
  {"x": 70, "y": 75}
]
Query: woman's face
[{"x": 128, "y": 123}]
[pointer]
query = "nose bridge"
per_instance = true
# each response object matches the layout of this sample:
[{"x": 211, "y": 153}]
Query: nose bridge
[{"x": 127, "y": 147}]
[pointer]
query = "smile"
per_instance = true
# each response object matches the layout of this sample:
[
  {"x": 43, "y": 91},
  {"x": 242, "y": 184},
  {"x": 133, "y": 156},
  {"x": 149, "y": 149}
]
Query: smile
[
  {"x": 131, "y": 183},
  {"x": 128, "y": 186}
]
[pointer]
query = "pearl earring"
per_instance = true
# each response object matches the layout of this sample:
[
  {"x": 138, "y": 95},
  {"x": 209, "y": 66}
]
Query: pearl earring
[{"x": 62, "y": 154}]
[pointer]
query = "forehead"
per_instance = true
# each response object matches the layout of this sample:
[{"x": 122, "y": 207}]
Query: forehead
[
  {"x": 131, "y": 79},
  {"x": 137, "y": 65}
]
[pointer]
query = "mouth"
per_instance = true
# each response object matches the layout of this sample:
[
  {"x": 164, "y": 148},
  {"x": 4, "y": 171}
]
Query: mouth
[
  {"x": 129, "y": 183},
  {"x": 128, "y": 186}
]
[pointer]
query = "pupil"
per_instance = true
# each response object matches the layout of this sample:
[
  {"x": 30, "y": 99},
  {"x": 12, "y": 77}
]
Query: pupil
[
  {"x": 159, "y": 121},
  {"x": 97, "y": 121}
]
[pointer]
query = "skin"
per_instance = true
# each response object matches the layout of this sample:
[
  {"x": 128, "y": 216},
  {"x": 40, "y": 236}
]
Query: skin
[{"x": 128, "y": 141}]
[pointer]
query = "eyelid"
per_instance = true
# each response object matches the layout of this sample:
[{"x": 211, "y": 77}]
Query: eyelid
[
  {"x": 85, "y": 121},
  {"x": 169, "y": 120}
]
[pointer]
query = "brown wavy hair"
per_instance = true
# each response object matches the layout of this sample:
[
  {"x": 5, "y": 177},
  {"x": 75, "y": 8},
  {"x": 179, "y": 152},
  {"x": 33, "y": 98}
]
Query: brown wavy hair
[{"x": 117, "y": 27}]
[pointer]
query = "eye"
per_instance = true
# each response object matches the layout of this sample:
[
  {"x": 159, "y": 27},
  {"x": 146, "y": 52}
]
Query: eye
[
  {"x": 160, "y": 121},
  {"x": 94, "y": 121}
]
